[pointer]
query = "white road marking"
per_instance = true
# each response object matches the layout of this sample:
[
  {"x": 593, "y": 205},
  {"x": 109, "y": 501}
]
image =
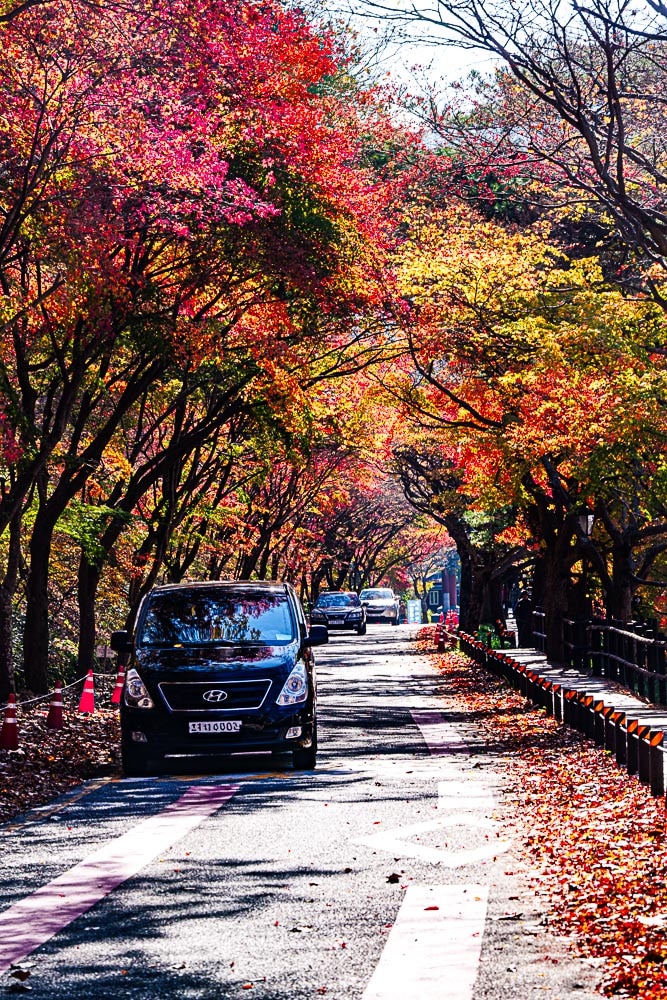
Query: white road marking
[
  {"x": 463, "y": 796},
  {"x": 433, "y": 949},
  {"x": 397, "y": 841}
]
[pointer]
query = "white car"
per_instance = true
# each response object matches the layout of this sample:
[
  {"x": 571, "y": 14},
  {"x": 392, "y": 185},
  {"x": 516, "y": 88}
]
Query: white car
[{"x": 381, "y": 605}]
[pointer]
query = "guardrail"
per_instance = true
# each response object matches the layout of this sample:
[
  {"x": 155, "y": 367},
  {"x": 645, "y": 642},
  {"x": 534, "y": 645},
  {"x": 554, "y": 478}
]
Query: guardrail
[
  {"x": 636, "y": 746},
  {"x": 633, "y": 654}
]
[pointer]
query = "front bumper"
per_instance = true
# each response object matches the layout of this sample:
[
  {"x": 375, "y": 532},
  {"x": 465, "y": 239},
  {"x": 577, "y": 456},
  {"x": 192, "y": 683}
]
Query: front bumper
[
  {"x": 168, "y": 735},
  {"x": 347, "y": 623},
  {"x": 381, "y": 614}
]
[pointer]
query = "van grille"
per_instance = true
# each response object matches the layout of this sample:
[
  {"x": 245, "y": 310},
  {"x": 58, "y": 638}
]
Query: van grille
[{"x": 226, "y": 696}]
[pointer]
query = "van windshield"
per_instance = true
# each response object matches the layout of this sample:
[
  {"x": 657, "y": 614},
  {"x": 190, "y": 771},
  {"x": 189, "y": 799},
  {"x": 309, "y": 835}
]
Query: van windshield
[{"x": 196, "y": 617}]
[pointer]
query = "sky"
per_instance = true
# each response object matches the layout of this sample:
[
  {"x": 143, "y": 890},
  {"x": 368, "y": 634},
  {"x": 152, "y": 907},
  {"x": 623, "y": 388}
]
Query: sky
[{"x": 437, "y": 61}]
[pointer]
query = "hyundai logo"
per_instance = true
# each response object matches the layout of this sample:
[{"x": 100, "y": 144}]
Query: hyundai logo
[{"x": 214, "y": 695}]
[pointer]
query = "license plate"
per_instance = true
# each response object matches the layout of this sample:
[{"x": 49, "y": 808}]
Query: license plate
[{"x": 214, "y": 727}]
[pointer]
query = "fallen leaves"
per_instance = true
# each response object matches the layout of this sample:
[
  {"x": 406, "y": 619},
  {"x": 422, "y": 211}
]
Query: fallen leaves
[
  {"x": 49, "y": 762},
  {"x": 594, "y": 837}
]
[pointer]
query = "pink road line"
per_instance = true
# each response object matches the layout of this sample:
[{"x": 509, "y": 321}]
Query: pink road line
[
  {"x": 440, "y": 736},
  {"x": 29, "y": 923},
  {"x": 434, "y": 946}
]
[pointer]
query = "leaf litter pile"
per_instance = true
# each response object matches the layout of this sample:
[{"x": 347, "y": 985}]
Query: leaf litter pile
[
  {"x": 594, "y": 837},
  {"x": 49, "y": 762}
]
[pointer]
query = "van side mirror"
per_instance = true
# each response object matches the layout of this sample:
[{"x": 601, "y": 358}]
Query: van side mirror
[
  {"x": 121, "y": 641},
  {"x": 318, "y": 635}
]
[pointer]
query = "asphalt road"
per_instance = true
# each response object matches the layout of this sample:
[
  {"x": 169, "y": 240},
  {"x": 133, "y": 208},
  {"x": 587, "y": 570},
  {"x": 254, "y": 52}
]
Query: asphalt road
[{"x": 386, "y": 874}]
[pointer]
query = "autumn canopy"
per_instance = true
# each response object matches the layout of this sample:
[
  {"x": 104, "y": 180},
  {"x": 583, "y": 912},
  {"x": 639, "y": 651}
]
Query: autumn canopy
[{"x": 256, "y": 319}]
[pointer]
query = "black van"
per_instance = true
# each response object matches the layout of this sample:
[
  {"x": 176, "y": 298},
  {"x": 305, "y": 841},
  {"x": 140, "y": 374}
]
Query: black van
[{"x": 218, "y": 668}]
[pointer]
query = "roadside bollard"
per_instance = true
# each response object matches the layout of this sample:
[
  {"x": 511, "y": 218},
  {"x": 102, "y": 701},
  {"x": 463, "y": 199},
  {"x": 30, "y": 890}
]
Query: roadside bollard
[
  {"x": 609, "y": 728},
  {"x": 621, "y": 738},
  {"x": 657, "y": 763},
  {"x": 644, "y": 754},
  {"x": 587, "y": 721},
  {"x": 557, "y": 692},
  {"x": 598, "y": 722},
  {"x": 632, "y": 750},
  {"x": 569, "y": 708}
]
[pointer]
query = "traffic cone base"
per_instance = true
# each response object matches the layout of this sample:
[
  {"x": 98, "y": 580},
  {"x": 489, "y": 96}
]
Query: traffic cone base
[
  {"x": 87, "y": 701},
  {"x": 9, "y": 735}
]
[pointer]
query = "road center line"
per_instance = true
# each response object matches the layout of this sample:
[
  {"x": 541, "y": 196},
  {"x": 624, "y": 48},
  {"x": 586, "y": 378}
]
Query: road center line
[
  {"x": 433, "y": 948},
  {"x": 31, "y": 921}
]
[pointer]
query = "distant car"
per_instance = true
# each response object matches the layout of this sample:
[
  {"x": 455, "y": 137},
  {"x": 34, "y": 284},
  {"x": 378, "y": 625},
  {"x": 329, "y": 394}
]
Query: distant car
[
  {"x": 218, "y": 668},
  {"x": 381, "y": 605},
  {"x": 339, "y": 609}
]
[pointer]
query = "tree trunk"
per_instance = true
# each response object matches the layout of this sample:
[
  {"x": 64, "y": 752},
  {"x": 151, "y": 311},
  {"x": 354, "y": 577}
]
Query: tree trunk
[
  {"x": 555, "y": 600},
  {"x": 87, "y": 584},
  {"x": 6, "y": 653},
  {"x": 619, "y": 599},
  {"x": 36, "y": 628},
  {"x": 7, "y": 591}
]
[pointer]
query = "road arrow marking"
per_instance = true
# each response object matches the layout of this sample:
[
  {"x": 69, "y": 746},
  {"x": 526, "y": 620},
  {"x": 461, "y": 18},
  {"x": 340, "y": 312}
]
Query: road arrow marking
[{"x": 396, "y": 842}]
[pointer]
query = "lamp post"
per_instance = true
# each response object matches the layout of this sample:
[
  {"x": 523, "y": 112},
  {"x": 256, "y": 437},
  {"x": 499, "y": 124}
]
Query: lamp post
[{"x": 586, "y": 522}]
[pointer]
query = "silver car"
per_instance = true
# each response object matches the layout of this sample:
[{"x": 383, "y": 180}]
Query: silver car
[{"x": 381, "y": 605}]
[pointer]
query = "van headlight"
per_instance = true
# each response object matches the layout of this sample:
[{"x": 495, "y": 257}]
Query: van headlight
[
  {"x": 136, "y": 692},
  {"x": 295, "y": 688}
]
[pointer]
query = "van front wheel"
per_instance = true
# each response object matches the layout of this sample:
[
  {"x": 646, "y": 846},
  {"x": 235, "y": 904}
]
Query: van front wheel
[{"x": 305, "y": 758}]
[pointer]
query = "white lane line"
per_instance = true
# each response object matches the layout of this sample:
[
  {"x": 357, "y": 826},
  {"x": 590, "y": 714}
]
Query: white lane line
[
  {"x": 31, "y": 921},
  {"x": 433, "y": 949}
]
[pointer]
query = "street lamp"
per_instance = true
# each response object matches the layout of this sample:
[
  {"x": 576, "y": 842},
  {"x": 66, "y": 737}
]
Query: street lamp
[{"x": 586, "y": 522}]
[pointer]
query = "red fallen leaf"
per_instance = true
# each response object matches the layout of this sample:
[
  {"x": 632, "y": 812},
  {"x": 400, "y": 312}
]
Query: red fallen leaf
[
  {"x": 377, "y": 822},
  {"x": 431, "y": 908},
  {"x": 248, "y": 986}
]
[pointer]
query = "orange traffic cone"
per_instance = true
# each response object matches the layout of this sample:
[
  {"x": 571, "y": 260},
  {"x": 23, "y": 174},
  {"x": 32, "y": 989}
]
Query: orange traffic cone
[
  {"x": 87, "y": 702},
  {"x": 118, "y": 690},
  {"x": 54, "y": 719},
  {"x": 9, "y": 736}
]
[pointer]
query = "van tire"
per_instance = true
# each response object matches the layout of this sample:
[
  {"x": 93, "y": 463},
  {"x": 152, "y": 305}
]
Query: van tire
[
  {"x": 305, "y": 758},
  {"x": 135, "y": 765}
]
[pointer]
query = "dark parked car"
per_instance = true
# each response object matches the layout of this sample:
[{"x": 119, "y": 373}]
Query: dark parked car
[
  {"x": 381, "y": 605},
  {"x": 339, "y": 609},
  {"x": 218, "y": 668}
]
